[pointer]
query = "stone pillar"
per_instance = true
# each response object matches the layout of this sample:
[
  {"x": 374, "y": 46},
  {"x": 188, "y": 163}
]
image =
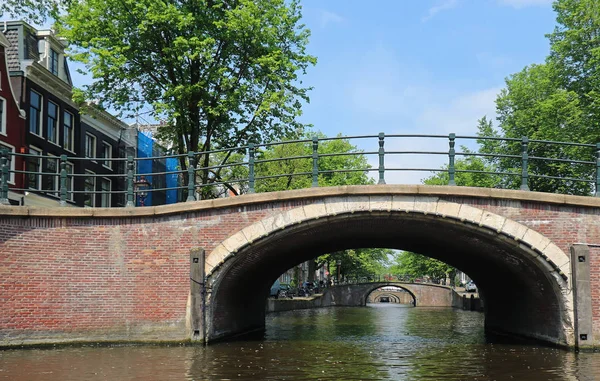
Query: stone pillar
[
  {"x": 582, "y": 297},
  {"x": 197, "y": 295}
]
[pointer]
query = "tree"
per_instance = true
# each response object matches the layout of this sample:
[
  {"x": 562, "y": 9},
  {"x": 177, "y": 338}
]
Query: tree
[
  {"x": 416, "y": 265},
  {"x": 294, "y": 160},
  {"x": 357, "y": 263},
  {"x": 35, "y": 11},
  {"x": 220, "y": 73},
  {"x": 557, "y": 101}
]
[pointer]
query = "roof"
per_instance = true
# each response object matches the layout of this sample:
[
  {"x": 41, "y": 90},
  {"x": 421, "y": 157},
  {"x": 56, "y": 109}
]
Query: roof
[{"x": 4, "y": 41}]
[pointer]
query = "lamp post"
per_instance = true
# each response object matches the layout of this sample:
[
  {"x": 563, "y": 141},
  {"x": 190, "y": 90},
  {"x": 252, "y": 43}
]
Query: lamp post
[
  {"x": 339, "y": 269},
  {"x": 141, "y": 187}
]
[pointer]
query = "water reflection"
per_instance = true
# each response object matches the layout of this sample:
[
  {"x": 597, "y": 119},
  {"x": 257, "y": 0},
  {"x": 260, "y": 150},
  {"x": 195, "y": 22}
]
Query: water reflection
[{"x": 384, "y": 341}]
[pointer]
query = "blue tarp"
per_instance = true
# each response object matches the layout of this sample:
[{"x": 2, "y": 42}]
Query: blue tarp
[
  {"x": 145, "y": 143},
  {"x": 172, "y": 180}
]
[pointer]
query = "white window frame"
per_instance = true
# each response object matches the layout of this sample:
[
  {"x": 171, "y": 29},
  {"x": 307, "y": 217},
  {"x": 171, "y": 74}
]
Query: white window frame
[
  {"x": 56, "y": 123},
  {"x": 104, "y": 194},
  {"x": 72, "y": 129},
  {"x": 3, "y": 116},
  {"x": 93, "y": 139},
  {"x": 39, "y": 166},
  {"x": 11, "y": 175},
  {"x": 40, "y": 112},
  {"x": 107, "y": 163},
  {"x": 93, "y": 198}
]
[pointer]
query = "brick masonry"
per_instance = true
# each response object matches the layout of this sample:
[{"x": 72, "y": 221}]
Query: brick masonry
[{"x": 109, "y": 276}]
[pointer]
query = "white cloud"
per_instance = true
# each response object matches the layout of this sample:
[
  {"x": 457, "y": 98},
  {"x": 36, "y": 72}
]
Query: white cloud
[
  {"x": 327, "y": 18},
  {"x": 524, "y": 3},
  {"x": 441, "y": 6},
  {"x": 401, "y": 98}
]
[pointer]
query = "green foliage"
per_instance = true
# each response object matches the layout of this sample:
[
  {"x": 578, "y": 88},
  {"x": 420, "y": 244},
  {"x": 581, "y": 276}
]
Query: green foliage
[
  {"x": 297, "y": 164},
  {"x": 34, "y": 11},
  {"x": 219, "y": 73},
  {"x": 356, "y": 263},
  {"x": 556, "y": 101},
  {"x": 418, "y": 266}
]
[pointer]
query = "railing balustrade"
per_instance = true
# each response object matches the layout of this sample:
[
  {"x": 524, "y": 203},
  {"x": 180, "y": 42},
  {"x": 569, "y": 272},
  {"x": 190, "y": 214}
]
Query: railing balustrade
[{"x": 243, "y": 166}]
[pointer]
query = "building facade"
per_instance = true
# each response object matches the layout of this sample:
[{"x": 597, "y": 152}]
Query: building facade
[{"x": 12, "y": 125}]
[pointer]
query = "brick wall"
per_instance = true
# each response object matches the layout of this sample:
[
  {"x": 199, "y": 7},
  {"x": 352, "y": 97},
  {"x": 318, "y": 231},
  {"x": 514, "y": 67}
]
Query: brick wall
[{"x": 127, "y": 278}]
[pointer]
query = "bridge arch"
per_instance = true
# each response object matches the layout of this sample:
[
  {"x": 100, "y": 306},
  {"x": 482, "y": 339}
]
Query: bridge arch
[
  {"x": 389, "y": 294},
  {"x": 522, "y": 275}
]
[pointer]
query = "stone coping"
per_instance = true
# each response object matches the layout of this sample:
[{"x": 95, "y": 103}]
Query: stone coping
[{"x": 292, "y": 195}]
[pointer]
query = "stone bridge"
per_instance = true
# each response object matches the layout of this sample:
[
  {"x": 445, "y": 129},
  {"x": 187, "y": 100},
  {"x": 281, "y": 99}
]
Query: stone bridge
[
  {"x": 399, "y": 296},
  {"x": 423, "y": 294},
  {"x": 123, "y": 274}
]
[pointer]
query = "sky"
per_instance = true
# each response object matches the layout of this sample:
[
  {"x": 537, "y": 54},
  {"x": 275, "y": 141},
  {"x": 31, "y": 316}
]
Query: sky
[{"x": 417, "y": 67}]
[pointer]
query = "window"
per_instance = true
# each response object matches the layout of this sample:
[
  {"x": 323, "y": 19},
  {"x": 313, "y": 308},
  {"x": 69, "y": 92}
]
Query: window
[
  {"x": 51, "y": 182},
  {"x": 52, "y": 131},
  {"x": 2, "y": 116},
  {"x": 35, "y": 113},
  {"x": 89, "y": 188},
  {"x": 68, "y": 130},
  {"x": 90, "y": 146},
  {"x": 107, "y": 154},
  {"x": 105, "y": 201},
  {"x": 33, "y": 165},
  {"x": 53, "y": 62},
  {"x": 11, "y": 163}
]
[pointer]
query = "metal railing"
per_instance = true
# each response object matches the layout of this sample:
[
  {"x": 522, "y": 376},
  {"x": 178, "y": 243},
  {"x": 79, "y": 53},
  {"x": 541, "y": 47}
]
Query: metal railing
[{"x": 519, "y": 155}]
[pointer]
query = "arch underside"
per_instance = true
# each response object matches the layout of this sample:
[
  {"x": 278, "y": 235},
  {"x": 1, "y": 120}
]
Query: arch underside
[
  {"x": 522, "y": 294},
  {"x": 393, "y": 296}
]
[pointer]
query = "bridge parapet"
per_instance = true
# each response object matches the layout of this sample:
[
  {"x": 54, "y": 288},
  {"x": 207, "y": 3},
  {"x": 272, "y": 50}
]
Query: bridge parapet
[
  {"x": 584, "y": 180},
  {"x": 424, "y": 295}
]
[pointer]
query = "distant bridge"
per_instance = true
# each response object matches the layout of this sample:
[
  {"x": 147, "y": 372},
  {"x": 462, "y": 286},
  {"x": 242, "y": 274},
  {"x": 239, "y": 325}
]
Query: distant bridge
[{"x": 423, "y": 294}]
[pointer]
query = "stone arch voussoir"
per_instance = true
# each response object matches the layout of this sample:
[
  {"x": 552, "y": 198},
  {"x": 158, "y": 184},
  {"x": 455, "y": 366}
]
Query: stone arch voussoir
[{"x": 556, "y": 261}]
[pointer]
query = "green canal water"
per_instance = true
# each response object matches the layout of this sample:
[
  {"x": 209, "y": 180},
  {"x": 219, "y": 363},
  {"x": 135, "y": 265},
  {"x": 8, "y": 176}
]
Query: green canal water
[{"x": 379, "y": 342}]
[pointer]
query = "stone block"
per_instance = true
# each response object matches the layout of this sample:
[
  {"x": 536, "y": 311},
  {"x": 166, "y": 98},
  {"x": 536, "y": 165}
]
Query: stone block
[
  {"x": 254, "y": 231},
  {"x": 403, "y": 203},
  {"x": 336, "y": 205},
  {"x": 447, "y": 209},
  {"x": 471, "y": 214},
  {"x": 514, "y": 229},
  {"x": 380, "y": 203},
  {"x": 427, "y": 205},
  {"x": 493, "y": 221},
  {"x": 315, "y": 210}
]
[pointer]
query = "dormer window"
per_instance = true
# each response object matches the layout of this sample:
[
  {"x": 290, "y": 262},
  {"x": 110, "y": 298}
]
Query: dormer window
[{"x": 53, "y": 62}]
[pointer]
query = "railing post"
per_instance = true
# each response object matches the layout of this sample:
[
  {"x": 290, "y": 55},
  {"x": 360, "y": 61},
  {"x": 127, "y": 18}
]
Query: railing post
[
  {"x": 597, "y": 193},
  {"x": 130, "y": 195},
  {"x": 381, "y": 159},
  {"x": 524, "y": 164},
  {"x": 191, "y": 178},
  {"x": 315, "y": 156},
  {"x": 451, "y": 158},
  {"x": 63, "y": 180},
  {"x": 251, "y": 153},
  {"x": 4, "y": 177}
]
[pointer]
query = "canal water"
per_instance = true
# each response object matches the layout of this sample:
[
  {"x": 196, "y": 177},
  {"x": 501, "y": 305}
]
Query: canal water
[{"x": 379, "y": 342}]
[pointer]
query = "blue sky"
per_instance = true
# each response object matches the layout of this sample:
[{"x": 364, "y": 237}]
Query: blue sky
[{"x": 427, "y": 66}]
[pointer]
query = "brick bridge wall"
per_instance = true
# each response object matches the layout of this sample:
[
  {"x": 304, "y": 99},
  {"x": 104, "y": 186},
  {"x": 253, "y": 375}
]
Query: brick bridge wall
[
  {"x": 401, "y": 297},
  {"x": 123, "y": 274},
  {"x": 425, "y": 295}
]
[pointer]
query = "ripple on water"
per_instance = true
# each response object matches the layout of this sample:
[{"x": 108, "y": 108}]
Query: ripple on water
[{"x": 375, "y": 343}]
